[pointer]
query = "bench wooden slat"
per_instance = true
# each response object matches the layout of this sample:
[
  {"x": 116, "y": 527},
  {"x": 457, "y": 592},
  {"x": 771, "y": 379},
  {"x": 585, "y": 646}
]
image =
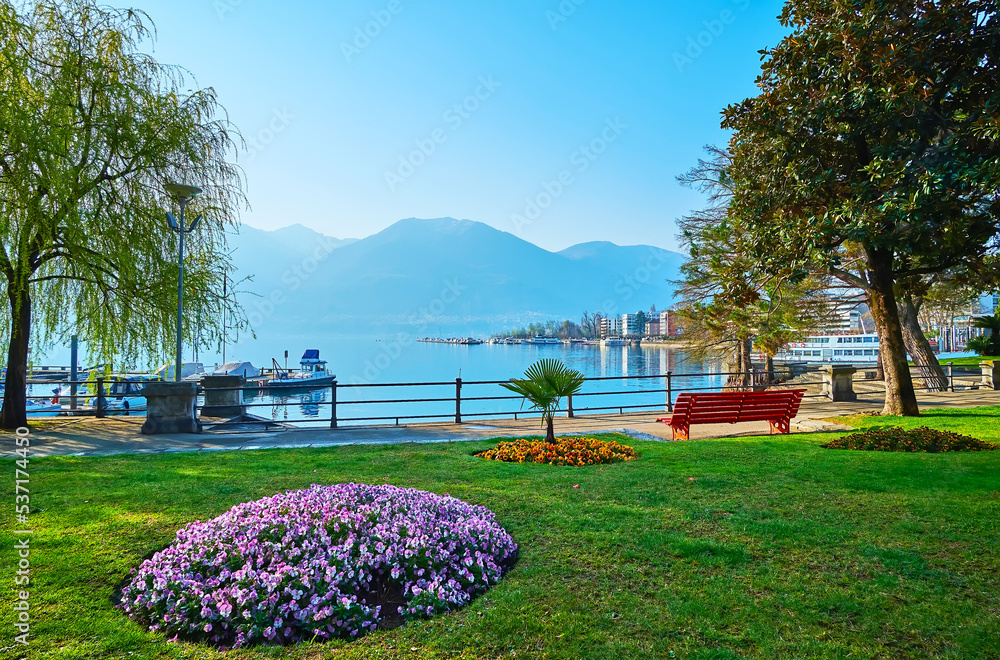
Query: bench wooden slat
[{"x": 775, "y": 406}]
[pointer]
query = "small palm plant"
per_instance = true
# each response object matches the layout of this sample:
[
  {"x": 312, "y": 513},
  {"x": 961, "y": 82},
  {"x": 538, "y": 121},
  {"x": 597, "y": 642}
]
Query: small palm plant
[
  {"x": 545, "y": 383},
  {"x": 991, "y": 344}
]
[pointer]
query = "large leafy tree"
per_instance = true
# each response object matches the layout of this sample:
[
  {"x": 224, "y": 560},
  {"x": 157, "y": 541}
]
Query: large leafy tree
[
  {"x": 728, "y": 302},
  {"x": 90, "y": 130},
  {"x": 874, "y": 133}
]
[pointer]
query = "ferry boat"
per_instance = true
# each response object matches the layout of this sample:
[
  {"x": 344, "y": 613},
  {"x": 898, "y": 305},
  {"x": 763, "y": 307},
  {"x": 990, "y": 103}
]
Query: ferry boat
[
  {"x": 852, "y": 349},
  {"x": 542, "y": 340},
  {"x": 313, "y": 373},
  {"x": 614, "y": 341}
]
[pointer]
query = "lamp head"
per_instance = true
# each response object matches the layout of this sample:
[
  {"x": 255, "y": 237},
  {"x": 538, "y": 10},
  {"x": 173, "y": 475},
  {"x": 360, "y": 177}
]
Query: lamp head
[
  {"x": 181, "y": 192},
  {"x": 172, "y": 221}
]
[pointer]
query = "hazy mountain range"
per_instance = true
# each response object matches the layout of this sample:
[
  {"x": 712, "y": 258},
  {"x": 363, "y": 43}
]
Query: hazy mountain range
[{"x": 441, "y": 273}]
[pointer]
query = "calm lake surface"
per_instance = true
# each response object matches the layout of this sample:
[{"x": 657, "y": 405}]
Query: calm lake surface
[
  {"x": 379, "y": 362},
  {"x": 376, "y": 363}
]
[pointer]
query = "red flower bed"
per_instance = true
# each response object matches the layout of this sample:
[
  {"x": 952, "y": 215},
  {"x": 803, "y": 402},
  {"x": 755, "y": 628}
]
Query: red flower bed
[{"x": 576, "y": 451}]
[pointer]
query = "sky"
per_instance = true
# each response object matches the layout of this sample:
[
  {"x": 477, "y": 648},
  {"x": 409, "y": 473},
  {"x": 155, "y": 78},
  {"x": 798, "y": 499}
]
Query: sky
[{"x": 560, "y": 122}]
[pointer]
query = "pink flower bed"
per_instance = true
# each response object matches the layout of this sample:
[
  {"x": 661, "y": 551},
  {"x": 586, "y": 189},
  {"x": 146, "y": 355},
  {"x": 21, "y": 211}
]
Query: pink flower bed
[{"x": 325, "y": 562}]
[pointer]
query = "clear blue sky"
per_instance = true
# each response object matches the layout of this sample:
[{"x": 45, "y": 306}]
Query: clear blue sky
[{"x": 337, "y": 111}]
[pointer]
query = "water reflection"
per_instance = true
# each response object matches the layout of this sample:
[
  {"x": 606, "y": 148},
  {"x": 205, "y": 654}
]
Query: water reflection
[{"x": 301, "y": 403}]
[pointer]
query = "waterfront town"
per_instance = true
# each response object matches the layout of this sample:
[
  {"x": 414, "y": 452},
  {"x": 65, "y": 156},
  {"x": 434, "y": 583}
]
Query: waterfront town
[{"x": 301, "y": 357}]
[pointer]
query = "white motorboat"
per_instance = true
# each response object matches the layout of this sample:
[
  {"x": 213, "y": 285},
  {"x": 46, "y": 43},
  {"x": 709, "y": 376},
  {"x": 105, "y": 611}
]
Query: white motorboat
[
  {"x": 313, "y": 373},
  {"x": 124, "y": 393},
  {"x": 189, "y": 371},
  {"x": 35, "y": 408},
  {"x": 614, "y": 341},
  {"x": 237, "y": 368}
]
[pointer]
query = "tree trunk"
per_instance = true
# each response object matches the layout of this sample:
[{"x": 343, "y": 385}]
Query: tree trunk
[
  {"x": 919, "y": 348},
  {"x": 900, "y": 399},
  {"x": 14, "y": 413},
  {"x": 769, "y": 369},
  {"x": 550, "y": 434},
  {"x": 745, "y": 363}
]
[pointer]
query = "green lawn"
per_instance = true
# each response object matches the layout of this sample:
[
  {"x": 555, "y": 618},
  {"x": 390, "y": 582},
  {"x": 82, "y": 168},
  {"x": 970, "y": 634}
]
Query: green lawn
[
  {"x": 967, "y": 361},
  {"x": 777, "y": 549}
]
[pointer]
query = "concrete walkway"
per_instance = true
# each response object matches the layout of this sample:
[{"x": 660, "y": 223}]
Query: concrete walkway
[{"x": 86, "y": 436}]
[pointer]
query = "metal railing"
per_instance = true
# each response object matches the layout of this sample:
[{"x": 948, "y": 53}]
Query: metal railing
[
  {"x": 458, "y": 406},
  {"x": 461, "y": 400}
]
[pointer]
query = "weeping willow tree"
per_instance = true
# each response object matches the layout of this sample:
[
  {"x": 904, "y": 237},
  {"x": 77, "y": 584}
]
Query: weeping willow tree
[{"x": 90, "y": 130}]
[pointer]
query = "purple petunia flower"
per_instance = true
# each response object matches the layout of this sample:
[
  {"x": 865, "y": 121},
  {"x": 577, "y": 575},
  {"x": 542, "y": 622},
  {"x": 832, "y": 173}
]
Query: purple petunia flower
[{"x": 306, "y": 561}]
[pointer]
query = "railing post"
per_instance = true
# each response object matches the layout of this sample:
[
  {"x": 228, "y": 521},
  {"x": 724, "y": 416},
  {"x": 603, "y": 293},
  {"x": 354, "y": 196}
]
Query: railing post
[
  {"x": 951, "y": 376},
  {"x": 569, "y": 406},
  {"x": 670, "y": 396},
  {"x": 100, "y": 398},
  {"x": 74, "y": 373},
  {"x": 458, "y": 400},
  {"x": 333, "y": 404}
]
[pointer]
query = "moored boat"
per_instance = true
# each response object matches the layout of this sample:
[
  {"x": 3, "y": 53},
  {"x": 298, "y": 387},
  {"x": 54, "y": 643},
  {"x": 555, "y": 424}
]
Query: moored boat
[
  {"x": 542, "y": 340},
  {"x": 851, "y": 349},
  {"x": 313, "y": 373}
]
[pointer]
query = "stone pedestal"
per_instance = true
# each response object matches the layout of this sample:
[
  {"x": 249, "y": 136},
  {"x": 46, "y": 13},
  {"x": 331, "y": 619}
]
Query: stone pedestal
[
  {"x": 991, "y": 375},
  {"x": 838, "y": 383},
  {"x": 170, "y": 408},
  {"x": 223, "y": 396}
]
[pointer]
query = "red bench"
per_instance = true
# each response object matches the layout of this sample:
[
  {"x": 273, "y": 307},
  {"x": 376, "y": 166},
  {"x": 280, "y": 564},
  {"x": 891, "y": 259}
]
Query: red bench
[{"x": 775, "y": 406}]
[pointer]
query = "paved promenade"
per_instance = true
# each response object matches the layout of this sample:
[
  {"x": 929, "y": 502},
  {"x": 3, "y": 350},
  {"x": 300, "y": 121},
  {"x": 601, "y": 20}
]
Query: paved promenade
[{"x": 121, "y": 435}]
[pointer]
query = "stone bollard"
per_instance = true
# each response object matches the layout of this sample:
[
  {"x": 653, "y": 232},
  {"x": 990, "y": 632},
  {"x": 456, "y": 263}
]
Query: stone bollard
[
  {"x": 223, "y": 396},
  {"x": 838, "y": 383},
  {"x": 991, "y": 374},
  {"x": 170, "y": 408}
]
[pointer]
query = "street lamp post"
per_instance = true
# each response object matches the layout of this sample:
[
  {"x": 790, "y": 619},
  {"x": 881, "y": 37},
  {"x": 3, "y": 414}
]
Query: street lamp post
[{"x": 183, "y": 195}]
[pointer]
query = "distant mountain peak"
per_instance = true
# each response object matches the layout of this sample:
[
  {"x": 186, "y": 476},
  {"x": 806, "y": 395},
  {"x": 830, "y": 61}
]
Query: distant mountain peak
[{"x": 434, "y": 224}]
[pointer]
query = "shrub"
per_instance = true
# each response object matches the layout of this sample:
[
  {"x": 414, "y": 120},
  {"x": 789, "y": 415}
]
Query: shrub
[
  {"x": 328, "y": 561},
  {"x": 563, "y": 451},
  {"x": 982, "y": 345},
  {"x": 923, "y": 439}
]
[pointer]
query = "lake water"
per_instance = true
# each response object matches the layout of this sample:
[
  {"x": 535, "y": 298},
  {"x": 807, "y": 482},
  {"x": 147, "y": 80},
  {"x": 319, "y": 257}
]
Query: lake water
[
  {"x": 375, "y": 363},
  {"x": 383, "y": 360}
]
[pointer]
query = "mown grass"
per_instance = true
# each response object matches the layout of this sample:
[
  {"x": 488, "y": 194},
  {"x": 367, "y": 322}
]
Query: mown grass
[
  {"x": 776, "y": 549},
  {"x": 968, "y": 361}
]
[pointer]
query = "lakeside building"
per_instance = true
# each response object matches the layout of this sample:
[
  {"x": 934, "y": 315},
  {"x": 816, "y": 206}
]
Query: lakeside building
[
  {"x": 668, "y": 324},
  {"x": 631, "y": 327},
  {"x": 846, "y": 319},
  {"x": 611, "y": 327},
  {"x": 653, "y": 329}
]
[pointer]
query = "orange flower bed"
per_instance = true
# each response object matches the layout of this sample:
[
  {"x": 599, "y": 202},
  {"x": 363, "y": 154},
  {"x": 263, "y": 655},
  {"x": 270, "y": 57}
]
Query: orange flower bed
[{"x": 564, "y": 451}]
